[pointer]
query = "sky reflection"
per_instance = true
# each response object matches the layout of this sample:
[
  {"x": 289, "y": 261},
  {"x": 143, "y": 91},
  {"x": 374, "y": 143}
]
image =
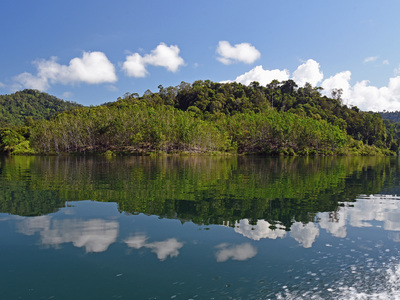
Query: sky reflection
[
  {"x": 365, "y": 212},
  {"x": 235, "y": 252},
  {"x": 163, "y": 249},
  {"x": 94, "y": 235}
]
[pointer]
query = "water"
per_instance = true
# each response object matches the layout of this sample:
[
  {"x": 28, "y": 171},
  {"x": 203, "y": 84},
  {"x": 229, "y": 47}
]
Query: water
[{"x": 199, "y": 228}]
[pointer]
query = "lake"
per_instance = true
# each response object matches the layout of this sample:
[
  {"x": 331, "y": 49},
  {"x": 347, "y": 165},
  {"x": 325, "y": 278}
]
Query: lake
[{"x": 199, "y": 228}]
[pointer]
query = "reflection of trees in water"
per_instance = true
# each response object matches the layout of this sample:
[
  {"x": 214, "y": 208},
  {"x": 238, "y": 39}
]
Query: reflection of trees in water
[{"x": 209, "y": 190}]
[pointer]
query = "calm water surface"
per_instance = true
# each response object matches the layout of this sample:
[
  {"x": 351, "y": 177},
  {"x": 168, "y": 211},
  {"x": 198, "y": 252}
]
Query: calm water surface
[{"x": 199, "y": 228}]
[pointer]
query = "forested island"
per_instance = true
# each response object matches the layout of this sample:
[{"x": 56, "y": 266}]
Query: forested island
[{"x": 203, "y": 117}]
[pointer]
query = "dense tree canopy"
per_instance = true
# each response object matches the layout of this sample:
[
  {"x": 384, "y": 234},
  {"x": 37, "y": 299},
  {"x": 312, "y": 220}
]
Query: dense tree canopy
[
  {"x": 17, "y": 107},
  {"x": 205, "y": 116}
]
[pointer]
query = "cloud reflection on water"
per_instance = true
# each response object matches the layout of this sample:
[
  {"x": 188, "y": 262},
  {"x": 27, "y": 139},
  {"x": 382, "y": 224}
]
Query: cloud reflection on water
[
  {"x": 259, "y": 231},
  {"x": 305, "y": 234},
  {"x": 163, "y": 249},
  {"x": 95, "y": 235},
  {"x": 236, "y": 252},
  {"x": 362, "y": 213}
]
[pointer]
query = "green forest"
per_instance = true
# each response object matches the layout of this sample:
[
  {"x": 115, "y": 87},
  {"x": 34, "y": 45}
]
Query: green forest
[
  {"x": 203, "y": 117},
  {"x": 16, "y": 108}
]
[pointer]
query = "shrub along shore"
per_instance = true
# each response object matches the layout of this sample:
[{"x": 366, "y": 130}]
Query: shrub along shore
[{"x": 206, "y": 118}]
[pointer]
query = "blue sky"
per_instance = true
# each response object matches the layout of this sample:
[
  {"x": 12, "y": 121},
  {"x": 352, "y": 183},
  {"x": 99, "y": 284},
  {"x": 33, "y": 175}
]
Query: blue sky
[{"x": 93, "y": 52}]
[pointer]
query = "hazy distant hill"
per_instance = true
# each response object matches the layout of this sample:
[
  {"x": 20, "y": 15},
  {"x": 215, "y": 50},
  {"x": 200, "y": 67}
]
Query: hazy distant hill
[
  {"x": 16, "y": 107},
  {"x": 392, "y": 122},
  {"x": 391, "y": 115}
]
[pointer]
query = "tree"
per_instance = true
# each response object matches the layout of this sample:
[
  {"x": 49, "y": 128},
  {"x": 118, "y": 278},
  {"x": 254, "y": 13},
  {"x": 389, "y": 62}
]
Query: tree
[{"x": 337, "y": 95}]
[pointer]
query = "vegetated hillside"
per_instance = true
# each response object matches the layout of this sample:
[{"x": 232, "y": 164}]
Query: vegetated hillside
[
  {"x": 205, "y": 116},
  {"x": 207, "y": 98},
  {"x": 15, "y": 108},
  {"x": 391, "y": 115},
  {"x": 392, "y": 122}
]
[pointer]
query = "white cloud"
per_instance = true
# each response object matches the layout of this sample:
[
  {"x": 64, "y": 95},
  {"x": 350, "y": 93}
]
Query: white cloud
[
  {"x": 137, "y": 241},
  {"x": 165, "y": 248},
  {"x": 363, "y": 213},
  {"x": 243, "y": 52},
  {"x": 260, "y": 231},
  {"x": 334, "y": 222},
  {"x": 30, "y": 226},
  {"x": 2, "y": 85},
  {"x": 162, "y": 249},
  {"x": 376, "y": 208},
  {"x": 262, "y": 76},
  {"x": 304, "y": 234},
  {"x": 162, "y": 56},
  {"x": 91, "y": 68},
  {"x": 135, "y": 66},
  {"x": 370, "y": 59},
  {"x": 308, "y": 72},
  {"x": 238, "y": 252},
  {"x": 338, "y": 81},
  {"x": 364, "y": 95},
  {"x": 361, "y": 94},
  {"x": 94, "y": 235},
  {"x": 385, "y": 62},
  {"x": 27, "y": 80}
]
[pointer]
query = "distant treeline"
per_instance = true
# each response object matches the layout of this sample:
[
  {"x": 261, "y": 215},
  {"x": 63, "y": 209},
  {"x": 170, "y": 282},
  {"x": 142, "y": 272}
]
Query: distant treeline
[
  {"x": 203, "y": 117},
  {"x": 392, "y": 122},
  {"x": 17, "y": 107}
]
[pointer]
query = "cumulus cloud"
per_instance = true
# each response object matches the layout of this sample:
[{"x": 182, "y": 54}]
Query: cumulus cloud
[
  {"x": 334, "y": 222},
  {"x": 243, "y": 52},
  {"x": 165, "y": 56},
  {"x": 238, "y": 252},
  {"x": 163, "y": 249},
  {"x": 91, "y": 68},
  {"x": 304, "y": 234},
  {"x": 361, "y": 94},
  {"x": 363, "y": 213},
  {"x": 260, "y": 231},
  {"x": 27, "y": 80},
  {"x": 137, "y": 241},
  {"x": 262, "y": 76},
  {"x": 94, "y": 235},
  {"x": 376, "y": 208},
  {"x": 370, "y": 59},
  {"x": 338, "y": 81},
  {"x": 308, "y": 72}
]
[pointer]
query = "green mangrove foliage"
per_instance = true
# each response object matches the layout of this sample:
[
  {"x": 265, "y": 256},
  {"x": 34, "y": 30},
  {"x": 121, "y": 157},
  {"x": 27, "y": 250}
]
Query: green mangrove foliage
[
  {"x": 205, "y": 116},
  {"x": 139, "y": 128},
  {"x": 134, "y": 128},
  {"x": 205, "y": 190}
]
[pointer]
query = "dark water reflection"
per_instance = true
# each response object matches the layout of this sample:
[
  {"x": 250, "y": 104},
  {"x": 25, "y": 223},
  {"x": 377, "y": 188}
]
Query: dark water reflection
[
  {"x": 199, "y": 227},
  {"x": 204, "y": 190}
]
